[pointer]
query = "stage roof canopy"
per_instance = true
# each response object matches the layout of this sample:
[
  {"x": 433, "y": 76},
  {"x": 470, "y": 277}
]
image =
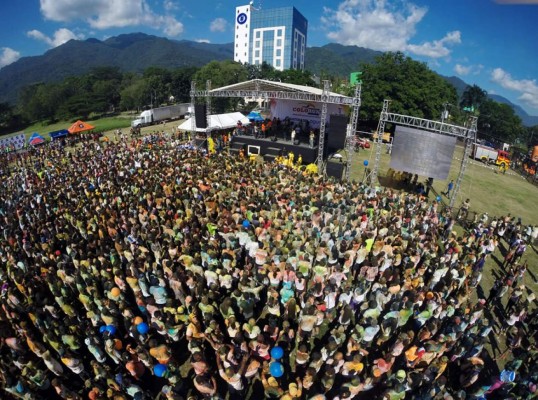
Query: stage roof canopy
[
  {"x": 218, "y": 121},
  {"x": 261, "y": 88}
]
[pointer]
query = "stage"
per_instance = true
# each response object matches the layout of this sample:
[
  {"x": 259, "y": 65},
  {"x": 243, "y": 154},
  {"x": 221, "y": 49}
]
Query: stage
[{"x": 270, "y": 149}]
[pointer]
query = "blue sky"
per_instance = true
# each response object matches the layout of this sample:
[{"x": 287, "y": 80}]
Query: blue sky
[{"x": 491, "y": 43}]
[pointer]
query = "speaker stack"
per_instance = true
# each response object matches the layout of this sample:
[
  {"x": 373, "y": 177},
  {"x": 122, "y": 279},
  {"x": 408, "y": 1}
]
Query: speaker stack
[{"x": 200, "y": 111}]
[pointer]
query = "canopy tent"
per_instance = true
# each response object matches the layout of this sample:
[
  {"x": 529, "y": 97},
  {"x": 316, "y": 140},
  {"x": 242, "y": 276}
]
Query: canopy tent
[
  {"x": 58, "y": 134},
  {"x": 80, "y": 126},
  {"x": 255, "y": 116},
  {"x": 36, "y": 139},
  {"x": 217, "y": 121}
]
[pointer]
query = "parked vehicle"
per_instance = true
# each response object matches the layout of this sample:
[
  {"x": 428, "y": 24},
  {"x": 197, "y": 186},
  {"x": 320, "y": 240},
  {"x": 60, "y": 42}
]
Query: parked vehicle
[
  {"x": 361, "y": 143},
  {"x": 160, "y": 114},
  {"x": 490, "y": 155}
]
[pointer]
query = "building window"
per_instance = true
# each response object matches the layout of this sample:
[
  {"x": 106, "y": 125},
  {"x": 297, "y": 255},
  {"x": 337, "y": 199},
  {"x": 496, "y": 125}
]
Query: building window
[
  {"x": 279, "y": 42},
  {"x": 237, "y": 45},
  {"x": 277, "y": 63},
  {"x": 246, "y": 44},
  {"x": 258, "y": 34},
  {"x": 257, "y": 44},
  {"x": 279, "y": 32},
  {"x": 246, "y": 34},
  {"x": 278, "y": 52},
  {"x": 257, "y": 53}
]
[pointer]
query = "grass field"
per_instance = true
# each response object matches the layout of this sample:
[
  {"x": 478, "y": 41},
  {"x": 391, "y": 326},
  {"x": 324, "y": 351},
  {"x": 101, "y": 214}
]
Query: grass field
[
  {"x": 101, "y": 125},
  {"x": 489, "y": 191}
]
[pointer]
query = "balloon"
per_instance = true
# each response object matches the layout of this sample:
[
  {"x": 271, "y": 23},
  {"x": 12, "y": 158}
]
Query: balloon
[
  {"x": 102, "y": 329},
  {"x": 246, "y": 224},
  {"x": 508, "y": 376},
  {"x": 115, "y": 292},
  {"x": 276, "y": 369},
  {"x": 138, "y": 320},
  {"x": 142, "y": 328},
  {"x": 365, "y": 163},
  {"x": 438, "y": 198},
  {"x": 277, "y": 352},
  {"x": 159, "y": 370},
  {"x": 110, "y": 329}
]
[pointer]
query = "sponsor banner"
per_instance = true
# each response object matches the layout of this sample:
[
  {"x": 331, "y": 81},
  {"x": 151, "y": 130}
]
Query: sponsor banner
[
  {"x": 16, "y": 142},
  {"x": 297, "y": 111}
]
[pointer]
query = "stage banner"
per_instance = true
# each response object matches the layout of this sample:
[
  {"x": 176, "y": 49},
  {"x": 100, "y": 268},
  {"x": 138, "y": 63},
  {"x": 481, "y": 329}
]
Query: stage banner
[
  {"x": 298, "y": 110},
  {"x": 12, "y": 143},
  {"x": 421, "y": 152}
]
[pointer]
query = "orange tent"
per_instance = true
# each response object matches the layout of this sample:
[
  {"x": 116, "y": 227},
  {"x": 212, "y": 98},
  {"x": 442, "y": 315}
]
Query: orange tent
[{"x": 80, "y": 126}]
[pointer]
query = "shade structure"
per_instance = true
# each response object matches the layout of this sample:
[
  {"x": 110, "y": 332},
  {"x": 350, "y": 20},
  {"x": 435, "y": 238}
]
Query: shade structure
[
  {"x": 80, "y": 126},
  {"x": 218, "y": 121},
  {"x": 255, "y": 116},
  {"x": 58, "y": 134},
  {"x": 36, "y": 139}
]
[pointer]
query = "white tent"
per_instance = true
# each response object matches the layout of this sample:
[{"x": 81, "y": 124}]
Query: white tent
[{"x": 217, "y": 121}]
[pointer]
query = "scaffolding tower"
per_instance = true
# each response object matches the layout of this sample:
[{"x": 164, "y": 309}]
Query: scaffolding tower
[
  {"x": 468, "y": 134},
  {"x": 352, "y": 129}
]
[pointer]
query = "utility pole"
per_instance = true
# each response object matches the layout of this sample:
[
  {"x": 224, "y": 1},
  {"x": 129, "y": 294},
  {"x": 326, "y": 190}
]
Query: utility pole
[{"x": 445, "y": 114}]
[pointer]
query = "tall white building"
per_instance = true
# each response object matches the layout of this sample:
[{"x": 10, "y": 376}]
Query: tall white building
[{"x": 276, "y": 36}]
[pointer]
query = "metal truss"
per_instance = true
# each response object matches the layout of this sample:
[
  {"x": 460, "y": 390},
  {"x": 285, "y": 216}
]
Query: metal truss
[
  {"x": 468, "y": 134},
  {"x": 426, "y": 124},
  {"x": 322, "y": 123},
  {"x": 379, "y": 142},
  {"x": 470, "y": 139},
  {"x": 351, "y": 128},
  {"x": 193, "y": 112},
  {"x": 208, "y": 108},
  {"x": 271, "y": 94}
]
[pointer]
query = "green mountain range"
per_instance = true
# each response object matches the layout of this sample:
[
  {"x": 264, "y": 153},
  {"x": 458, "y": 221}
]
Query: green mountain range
[{"x": 137, "y": 51}]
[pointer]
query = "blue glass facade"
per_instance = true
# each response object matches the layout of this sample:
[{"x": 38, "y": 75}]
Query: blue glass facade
[{"x": 278, "y": 37}]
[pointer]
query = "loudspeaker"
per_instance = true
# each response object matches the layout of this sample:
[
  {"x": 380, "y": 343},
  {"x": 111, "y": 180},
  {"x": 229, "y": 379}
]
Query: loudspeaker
[
  {"x": 336, "y": 138},
  {"x": 296, "y": 142},
  {"x": 200, "y": 111},
  {"x": 274, "y": 139},
  {"x": 335, "y": 169}
]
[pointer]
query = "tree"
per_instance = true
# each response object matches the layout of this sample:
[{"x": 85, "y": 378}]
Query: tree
[
  {"x": 180, "y": 85},
  {"x": 411, "y": 86},
  {"x": 499, "y": 121},
  {"x": 473, "y": 97},
  {"x": 221, "y": 73}
]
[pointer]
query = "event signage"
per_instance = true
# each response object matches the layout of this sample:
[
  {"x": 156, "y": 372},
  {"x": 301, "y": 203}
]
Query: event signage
[
  {"x": 299, "y": 111},
  {"x": 241, "y": 18}
]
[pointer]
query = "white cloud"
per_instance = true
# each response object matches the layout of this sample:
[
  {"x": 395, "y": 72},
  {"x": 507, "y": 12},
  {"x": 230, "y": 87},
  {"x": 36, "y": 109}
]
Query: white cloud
[
  {"x": 202, "y": 40},
  {"x": 8, "y": 56},
  {"x": 383, "y": 25},
  {"x": 170, "y": 5},
  {"x": 528, "y": 88},
  {"x": 462, "y": 70},
  {"x": 104, "y": 14},
  {"x": 437, "y": 48},
  {"x": 218, "y": 25},
  {"x": 60, "y": 36}
]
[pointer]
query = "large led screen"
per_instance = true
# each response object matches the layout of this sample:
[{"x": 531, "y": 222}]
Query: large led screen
[{"x": 420, "y": 152}]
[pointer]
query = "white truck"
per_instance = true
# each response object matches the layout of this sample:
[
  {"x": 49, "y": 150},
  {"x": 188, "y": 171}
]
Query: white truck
[{"x": 160, "y": 114}]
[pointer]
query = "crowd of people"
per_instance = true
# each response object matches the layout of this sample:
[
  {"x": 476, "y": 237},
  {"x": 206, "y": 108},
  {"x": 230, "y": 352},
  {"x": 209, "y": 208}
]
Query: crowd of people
[{"x": 154, "y": 271}]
